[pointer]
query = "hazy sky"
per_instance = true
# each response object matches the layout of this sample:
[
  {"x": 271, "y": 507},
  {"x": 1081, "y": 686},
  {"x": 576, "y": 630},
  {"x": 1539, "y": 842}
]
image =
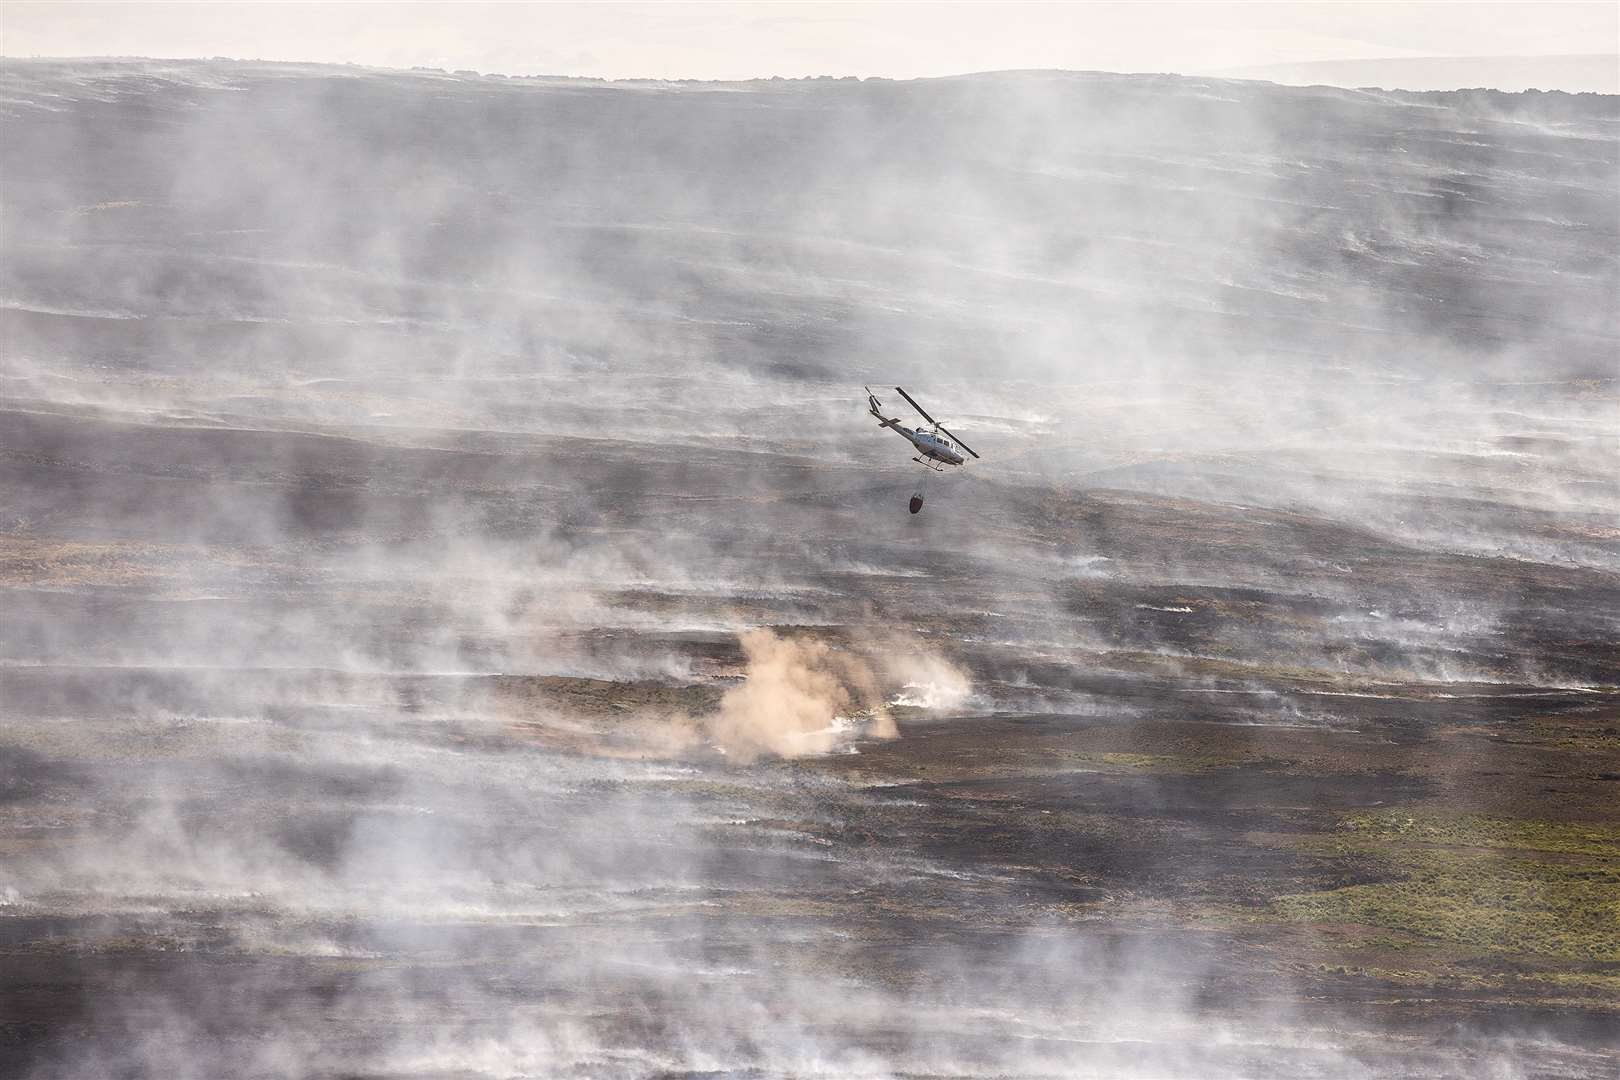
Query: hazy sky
[{"x": 740, "y": 40}]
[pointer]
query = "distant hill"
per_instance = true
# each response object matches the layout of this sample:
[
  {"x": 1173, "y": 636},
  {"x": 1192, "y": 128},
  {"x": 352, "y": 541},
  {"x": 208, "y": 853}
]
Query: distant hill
[
  {"x": 1590, "y": 73},
  {"x": 893, "y": 223}
]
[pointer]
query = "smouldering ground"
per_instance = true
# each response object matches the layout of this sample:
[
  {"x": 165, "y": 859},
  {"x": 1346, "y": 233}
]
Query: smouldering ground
[{"x": 422, "y": 498}]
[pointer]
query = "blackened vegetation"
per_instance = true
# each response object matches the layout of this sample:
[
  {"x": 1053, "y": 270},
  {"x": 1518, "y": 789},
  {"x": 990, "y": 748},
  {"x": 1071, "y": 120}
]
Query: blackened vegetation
[{"x": 389, "y": 463}]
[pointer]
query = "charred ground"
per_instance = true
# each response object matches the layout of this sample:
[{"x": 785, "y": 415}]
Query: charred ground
[{"x": 387, "y": 459}]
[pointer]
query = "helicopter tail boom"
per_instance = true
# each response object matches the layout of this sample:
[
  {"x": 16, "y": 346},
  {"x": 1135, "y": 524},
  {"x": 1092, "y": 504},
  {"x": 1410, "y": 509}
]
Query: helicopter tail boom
[{"x": 873, "y": 406}]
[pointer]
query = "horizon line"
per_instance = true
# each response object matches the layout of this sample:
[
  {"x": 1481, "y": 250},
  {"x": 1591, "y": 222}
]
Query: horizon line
[{"x": 1222, "y": 75}]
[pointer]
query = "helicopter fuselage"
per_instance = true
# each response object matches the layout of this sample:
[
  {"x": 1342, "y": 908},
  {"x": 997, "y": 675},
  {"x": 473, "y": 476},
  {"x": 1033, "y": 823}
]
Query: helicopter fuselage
[{"x": 930, "y": 445}]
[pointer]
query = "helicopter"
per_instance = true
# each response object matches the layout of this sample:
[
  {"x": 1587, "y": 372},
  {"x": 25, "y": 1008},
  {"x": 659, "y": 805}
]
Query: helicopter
[{"x": 934, "y": 450}]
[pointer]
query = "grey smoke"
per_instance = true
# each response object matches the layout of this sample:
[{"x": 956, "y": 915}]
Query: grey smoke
[{"x": 334, "y": 396}]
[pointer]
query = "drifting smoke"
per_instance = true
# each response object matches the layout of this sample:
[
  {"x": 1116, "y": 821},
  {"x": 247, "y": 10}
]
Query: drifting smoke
[
  {"x": 393, "y": 460},
  {"x": 929, "y": 682}
]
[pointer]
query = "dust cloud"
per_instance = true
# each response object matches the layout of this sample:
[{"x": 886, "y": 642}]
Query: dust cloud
[{"x": 793, "y": 698}]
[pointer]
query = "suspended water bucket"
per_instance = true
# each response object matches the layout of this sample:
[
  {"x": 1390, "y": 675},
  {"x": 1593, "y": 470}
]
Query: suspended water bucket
[{"x": 916, "y": 503}]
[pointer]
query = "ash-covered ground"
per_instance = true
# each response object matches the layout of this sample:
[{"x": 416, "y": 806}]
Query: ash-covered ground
[{"x": 459, "y": 620}]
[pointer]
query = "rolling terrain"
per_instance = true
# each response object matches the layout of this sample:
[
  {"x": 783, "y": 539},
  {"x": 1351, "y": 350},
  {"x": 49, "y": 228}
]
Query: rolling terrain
[{"x": 459, "y": 620}]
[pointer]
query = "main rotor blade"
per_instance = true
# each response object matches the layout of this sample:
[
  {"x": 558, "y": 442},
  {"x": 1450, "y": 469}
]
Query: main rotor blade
[
  {"x": 955, "y": 440},
  {"x": 919, "y": 408}
]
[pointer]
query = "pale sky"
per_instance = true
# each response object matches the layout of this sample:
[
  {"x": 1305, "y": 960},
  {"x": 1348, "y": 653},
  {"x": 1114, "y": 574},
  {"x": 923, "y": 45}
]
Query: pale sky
[{"x": 898, "y": 40}]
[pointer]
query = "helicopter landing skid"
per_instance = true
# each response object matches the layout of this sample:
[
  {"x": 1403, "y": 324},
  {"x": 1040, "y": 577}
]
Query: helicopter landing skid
[{"x": 928, "y": 464}]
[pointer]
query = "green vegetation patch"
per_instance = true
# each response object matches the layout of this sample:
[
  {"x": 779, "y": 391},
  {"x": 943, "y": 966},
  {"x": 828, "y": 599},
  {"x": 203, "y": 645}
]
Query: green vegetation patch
[
  {"x": 1573, "y": 838},
  {"x": 1537, "y": 887}
]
